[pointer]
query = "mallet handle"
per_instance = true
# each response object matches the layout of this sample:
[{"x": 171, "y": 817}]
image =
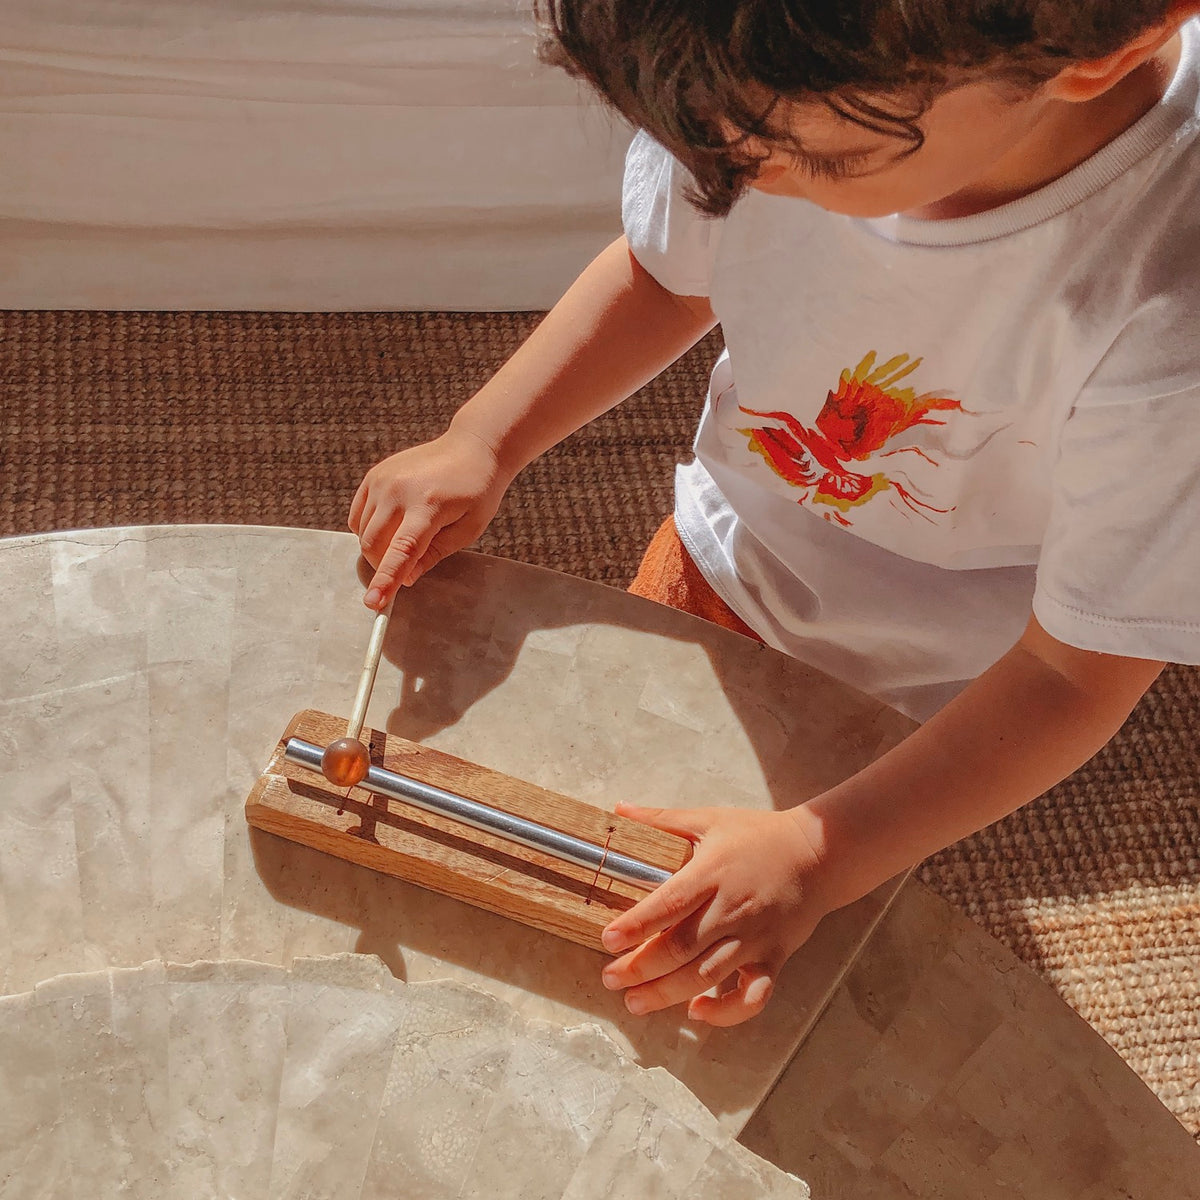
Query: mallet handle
[{"x": 366, "y": 681}]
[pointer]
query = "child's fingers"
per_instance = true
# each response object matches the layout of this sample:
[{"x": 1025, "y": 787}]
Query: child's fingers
[
  {"x": 666, "y": 954},
  {"x": 754, "y": 987},
  {"x": 445, "y": 543},
  {"x": 406, "y": 547},
  {"x": 365, "y": 523},
  {"x": 691, "y": 823},
  {"x": 355, "y": 518},
  {"x": 709, "y": 970},
  {"x": 669, "y": 904}
]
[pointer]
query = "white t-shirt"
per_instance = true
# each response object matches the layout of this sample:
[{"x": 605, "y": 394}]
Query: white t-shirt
[{"x": 921, "y": 429}]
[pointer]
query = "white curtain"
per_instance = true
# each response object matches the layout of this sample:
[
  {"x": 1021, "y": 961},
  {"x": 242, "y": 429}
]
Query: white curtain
[{"x": 293, "y": 155}]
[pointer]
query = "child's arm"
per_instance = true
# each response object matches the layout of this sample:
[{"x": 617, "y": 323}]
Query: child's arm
[
  {"x": 759, "y": 882},
  {"x": 614, "y": 330}
]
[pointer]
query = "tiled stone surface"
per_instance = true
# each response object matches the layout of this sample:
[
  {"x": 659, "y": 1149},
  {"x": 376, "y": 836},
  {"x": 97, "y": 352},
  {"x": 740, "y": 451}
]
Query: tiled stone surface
[
  {"x": 944, "y": 1067},
  {"x": 164, "y": 663},
  {"x": 334, "y": 1080}
]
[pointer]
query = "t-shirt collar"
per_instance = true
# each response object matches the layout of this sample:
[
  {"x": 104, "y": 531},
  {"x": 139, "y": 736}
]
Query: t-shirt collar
[{"x": 1168, "y": 118}]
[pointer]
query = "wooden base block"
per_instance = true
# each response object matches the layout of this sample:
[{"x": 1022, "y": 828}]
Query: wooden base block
[{"x": 445, "y": 856}]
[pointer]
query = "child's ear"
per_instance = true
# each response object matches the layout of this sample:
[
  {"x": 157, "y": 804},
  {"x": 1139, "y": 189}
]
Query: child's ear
[{"x": 1087, "y": 80}]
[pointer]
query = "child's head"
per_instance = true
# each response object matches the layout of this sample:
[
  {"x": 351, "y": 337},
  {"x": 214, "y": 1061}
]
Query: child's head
[{"x": 878, "y": 102}]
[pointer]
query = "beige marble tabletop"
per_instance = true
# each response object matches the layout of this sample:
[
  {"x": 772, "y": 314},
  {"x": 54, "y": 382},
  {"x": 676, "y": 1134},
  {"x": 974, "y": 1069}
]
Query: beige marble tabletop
[
  {"x": 145, "y": 675},
  {"x": 332, "y": 1080}
]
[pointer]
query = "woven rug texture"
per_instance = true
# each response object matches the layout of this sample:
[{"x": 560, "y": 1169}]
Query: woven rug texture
[{"x": 272, "y": 419}]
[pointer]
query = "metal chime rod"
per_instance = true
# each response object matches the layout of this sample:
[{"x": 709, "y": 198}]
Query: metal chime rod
[{"x": 492, "y": 820}]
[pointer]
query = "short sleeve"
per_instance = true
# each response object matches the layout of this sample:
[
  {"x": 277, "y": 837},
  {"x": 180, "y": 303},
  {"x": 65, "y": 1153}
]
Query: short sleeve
[
  {"x": 1119, "y": 570},
  {"x": 671, "y": 239}
]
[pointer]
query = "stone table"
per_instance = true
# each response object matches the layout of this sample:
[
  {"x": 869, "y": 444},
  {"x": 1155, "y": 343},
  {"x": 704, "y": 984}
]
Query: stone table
[{"x": 146, "y": 674}]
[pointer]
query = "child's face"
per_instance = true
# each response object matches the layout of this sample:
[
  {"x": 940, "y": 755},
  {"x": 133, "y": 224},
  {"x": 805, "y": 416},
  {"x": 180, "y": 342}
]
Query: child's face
[{"x": 981, "y": 149}]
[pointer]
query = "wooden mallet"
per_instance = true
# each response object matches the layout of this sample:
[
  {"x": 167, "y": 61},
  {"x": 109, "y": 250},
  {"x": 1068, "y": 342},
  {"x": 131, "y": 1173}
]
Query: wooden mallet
[{"x": 346, "y": 760}]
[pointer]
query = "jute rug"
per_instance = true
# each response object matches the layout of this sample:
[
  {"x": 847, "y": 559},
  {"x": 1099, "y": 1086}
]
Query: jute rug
[{"x": 128, "y": 418}]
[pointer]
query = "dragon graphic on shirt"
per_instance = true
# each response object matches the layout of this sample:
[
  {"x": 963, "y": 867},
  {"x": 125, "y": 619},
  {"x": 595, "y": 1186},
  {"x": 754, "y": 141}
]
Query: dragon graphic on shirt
[{"x": 857, "y": 421}]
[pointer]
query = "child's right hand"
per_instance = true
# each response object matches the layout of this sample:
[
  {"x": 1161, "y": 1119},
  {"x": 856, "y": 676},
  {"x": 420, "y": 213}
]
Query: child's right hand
[{"x": 421, "y": 505}]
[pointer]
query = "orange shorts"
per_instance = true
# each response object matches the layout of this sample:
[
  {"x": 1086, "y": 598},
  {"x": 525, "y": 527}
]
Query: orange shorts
[{"x": 669, "y": 576}]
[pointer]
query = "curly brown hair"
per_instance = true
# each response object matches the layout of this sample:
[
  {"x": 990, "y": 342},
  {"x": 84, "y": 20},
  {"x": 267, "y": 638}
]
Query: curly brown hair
[{"x": 687, "y": 70}]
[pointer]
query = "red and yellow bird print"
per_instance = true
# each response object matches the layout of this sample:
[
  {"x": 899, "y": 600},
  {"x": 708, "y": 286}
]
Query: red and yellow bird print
[{"x": 857, "y": 421}]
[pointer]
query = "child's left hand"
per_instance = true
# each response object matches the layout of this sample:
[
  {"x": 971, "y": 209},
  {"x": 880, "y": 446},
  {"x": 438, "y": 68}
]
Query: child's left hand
[{"x": 746, "y": 901}]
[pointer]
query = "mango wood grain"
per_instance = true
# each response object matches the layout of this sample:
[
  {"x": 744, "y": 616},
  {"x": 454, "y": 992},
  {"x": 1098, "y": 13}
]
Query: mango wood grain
[{"x": 445, "y": 856}]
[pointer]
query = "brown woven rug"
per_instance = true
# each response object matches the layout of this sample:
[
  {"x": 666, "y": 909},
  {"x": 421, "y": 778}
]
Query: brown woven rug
[{"x": 146, "y": 418}]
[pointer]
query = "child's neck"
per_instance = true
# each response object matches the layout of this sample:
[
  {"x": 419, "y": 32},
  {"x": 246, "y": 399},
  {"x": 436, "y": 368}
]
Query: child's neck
[{"x": 1066, "y": 135}]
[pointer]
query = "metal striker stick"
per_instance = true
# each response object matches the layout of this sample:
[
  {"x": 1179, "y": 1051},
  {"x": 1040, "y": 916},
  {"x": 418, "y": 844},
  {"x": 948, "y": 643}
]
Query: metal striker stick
[
  {"x": 366, "y": 681},
  {"x": 601, "y": 859}
]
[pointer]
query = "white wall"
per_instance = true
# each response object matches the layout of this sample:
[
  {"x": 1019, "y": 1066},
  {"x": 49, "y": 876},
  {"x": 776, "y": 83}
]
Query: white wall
[{"x": 302, "y": 155}]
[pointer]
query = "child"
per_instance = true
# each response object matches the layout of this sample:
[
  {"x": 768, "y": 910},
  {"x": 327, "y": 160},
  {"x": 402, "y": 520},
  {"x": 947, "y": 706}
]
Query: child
[{"x": 952, "y": 451}]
